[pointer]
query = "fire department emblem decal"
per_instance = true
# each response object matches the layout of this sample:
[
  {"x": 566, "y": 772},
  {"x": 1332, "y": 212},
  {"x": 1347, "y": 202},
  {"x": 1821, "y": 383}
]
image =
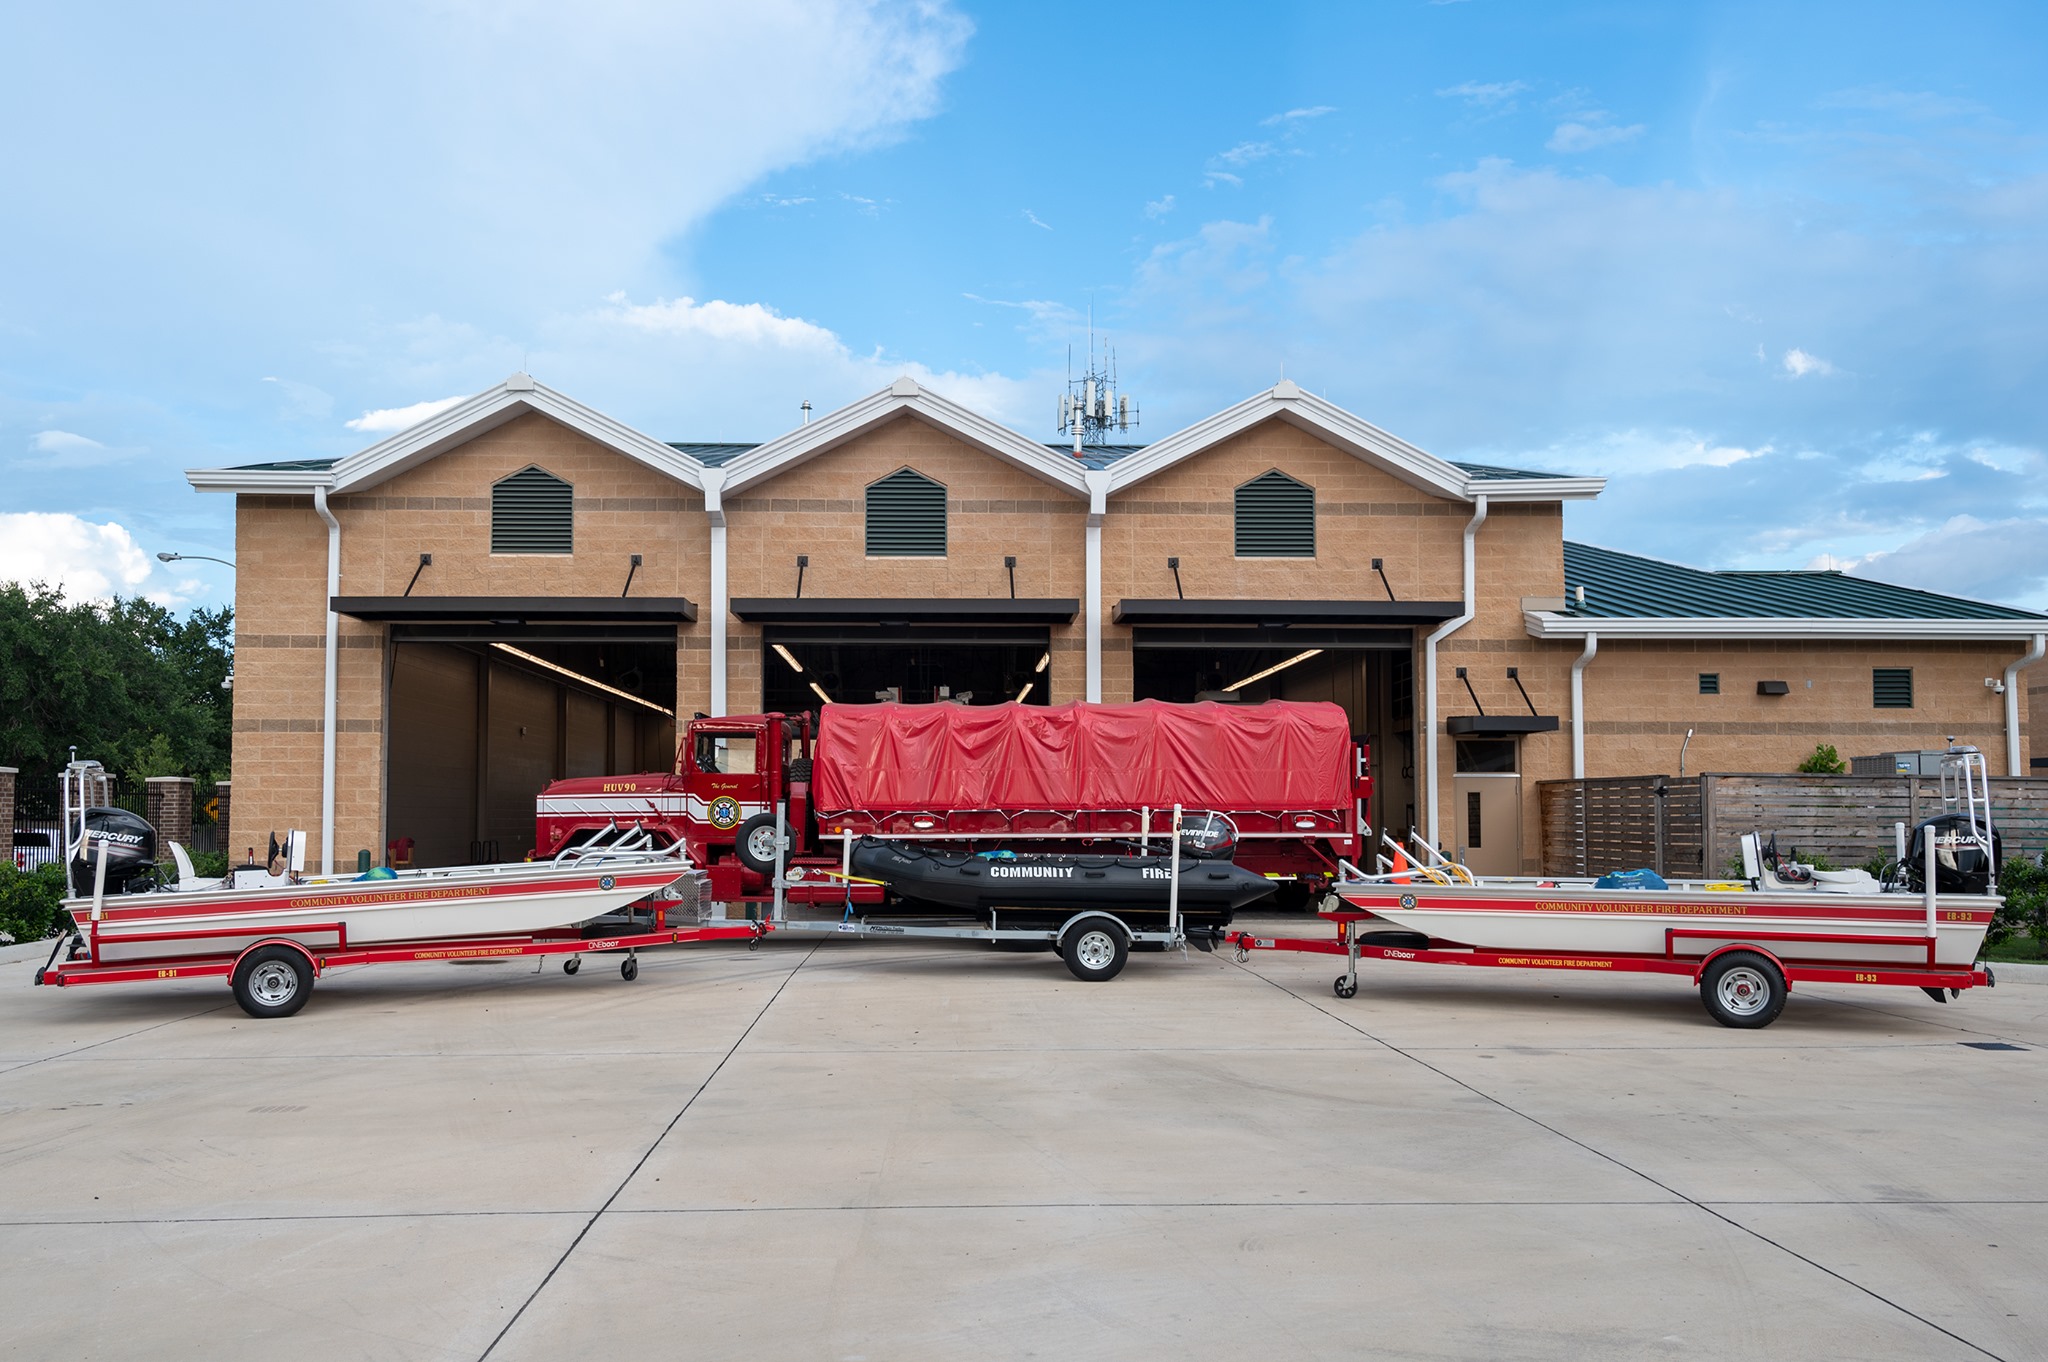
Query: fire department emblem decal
[
  {"x": 1407, "y": 900},
  {"x": 606, "y": 882},
  {"x": 725, "y": 812}
]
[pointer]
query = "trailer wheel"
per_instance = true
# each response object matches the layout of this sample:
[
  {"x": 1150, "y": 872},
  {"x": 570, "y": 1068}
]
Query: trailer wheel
[
  {"x": 1345, "y": 987},
  {"x": 571, "y": 965},
  {"x": 1095, "y": 950},
  {"x": 629, "y": 969},
  {"x": 1742, "y": 989},
  {"x": 272, "y": 981},
  {"x": 756, "y": 844}
]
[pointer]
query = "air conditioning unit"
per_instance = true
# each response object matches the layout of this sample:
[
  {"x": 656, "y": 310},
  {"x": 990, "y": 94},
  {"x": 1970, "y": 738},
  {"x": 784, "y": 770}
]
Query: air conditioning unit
[{"x": 1927, "y": 763}]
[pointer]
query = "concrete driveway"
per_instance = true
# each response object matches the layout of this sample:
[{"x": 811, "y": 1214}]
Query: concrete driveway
[{"x": 886, "y": 1151}]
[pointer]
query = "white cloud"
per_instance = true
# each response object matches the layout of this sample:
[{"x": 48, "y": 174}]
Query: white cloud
[
  {"x": 1911, "y": 104},
  {"x": 1591, "y": 134},
  {"x": 1484, "y": 95},
  {"x": 742, "y": 323},
  {"x": 62, "y": 442},
  {"x": 1618, "y": 453},
  {"x": 1245, "y": 153},
  {"x": 1799, "y": 364},
  {"x": 390, "y": 420},
  {"x": 1033, "y": 219},
  {"x": 1216, "y": 177},
  {"x": 1297, "y": 115},
  {"x": 1159, "y": 208},
  {"x": 1995, "y": 560},
  {"x": 81, "y": 559}
]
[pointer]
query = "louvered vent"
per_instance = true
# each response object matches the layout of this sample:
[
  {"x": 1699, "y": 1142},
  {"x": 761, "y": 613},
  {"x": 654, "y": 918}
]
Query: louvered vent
[
  {"x": 531, "y": 512},
  {"x": 1276, "y": 518},
  {"x": 906, "y": 517},
  {"x": 1891, "y": 687}
]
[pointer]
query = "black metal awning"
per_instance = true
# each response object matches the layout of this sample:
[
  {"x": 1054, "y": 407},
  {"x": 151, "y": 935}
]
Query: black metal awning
[
  {"x": 1284, "y": 614},
  {"x": 891, "y": 610},
  {"x": 1499, "y": 725},
  {"x": 517, "y": 610}
]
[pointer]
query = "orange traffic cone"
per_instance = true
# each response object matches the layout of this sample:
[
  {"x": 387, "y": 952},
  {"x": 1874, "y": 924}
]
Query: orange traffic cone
[{"x": 1400, "y": 867}]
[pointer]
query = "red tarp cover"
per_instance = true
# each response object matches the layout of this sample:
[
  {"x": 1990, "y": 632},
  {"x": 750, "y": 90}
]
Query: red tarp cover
[{"x": 1279, "y": 755}]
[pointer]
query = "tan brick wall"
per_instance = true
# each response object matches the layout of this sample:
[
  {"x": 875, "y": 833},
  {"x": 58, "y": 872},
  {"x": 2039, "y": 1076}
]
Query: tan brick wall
[{"x": 819, "y": 508}]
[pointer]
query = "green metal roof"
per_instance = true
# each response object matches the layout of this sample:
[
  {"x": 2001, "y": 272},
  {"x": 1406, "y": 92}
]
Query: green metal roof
[
  {"x": 1626, "y": 586},
  {"x": 286, "y": 466}
]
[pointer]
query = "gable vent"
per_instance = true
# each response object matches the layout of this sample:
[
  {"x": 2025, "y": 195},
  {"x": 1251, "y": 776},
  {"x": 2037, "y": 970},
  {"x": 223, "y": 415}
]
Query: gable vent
[
  {"x": 906, "y": 517},
  {"x": 1276, "y": 518},
  {"x": 532, "y": 512},
  {"x": 1892, "y": 687}
]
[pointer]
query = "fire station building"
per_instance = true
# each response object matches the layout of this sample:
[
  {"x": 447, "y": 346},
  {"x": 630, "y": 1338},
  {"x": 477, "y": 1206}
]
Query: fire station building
[{"x": 522, "y": 588}]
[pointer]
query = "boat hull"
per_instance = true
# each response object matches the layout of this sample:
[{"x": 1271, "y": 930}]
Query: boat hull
[
  {"x": 1876, "y": 928},
  {"x": 1057, "y": 884},
  {"x": 415, "y": 906}
]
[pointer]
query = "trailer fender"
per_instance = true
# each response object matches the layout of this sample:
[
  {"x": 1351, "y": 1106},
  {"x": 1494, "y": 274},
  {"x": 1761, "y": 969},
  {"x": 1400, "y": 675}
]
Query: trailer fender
[
  {"x": 312, "y": 960},
  {"x": 1719, "y": 951},
  {"x": 1073, "y": 924}
]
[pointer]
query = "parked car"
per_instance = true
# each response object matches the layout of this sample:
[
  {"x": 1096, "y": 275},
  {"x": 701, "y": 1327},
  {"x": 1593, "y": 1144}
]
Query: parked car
[{"x": 34, "y": 847}]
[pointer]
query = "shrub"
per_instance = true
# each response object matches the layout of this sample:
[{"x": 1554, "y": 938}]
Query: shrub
[
  {"x": 1825, "y": 761},
  {"x": 31, "y": 902},
  {"x": 2024, "y": 883}
]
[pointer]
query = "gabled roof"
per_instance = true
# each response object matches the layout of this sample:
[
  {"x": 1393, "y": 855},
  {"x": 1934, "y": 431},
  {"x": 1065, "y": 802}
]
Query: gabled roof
[
  {"x": 1630, "y": 595},
  {"x": 517, "y": 396},
  {"x": 1287, "y": 402},
  {"x": 903, "y": 397}
]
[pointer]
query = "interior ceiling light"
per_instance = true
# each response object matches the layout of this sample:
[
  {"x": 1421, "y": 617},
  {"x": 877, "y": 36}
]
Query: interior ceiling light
[
  {"x": 580, "y": 678},
  {"x": 1276, "y": 667},
  {"x": 1043, "y": 659},
  {"x": 820, "y": 692},
  {"x": 1024, "y": 692},
  {"x": 789, "y": 657}
]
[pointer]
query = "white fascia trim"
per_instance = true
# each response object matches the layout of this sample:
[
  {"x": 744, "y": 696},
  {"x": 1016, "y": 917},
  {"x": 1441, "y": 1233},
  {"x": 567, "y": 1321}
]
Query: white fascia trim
[
  {"x": 1547, "y": 624},
  {"x": 1286, "y": 401},
  {"x": 904, "y": 395},
  {"x": 258, "y": 481}
]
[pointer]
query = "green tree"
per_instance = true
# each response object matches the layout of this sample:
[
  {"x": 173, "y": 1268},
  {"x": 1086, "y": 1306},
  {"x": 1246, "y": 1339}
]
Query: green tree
[
  {"x": 1825, "y": 761},
  {"x": 129, "y": 683}
]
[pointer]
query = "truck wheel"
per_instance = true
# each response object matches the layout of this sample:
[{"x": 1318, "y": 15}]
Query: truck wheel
[
  {"x": 272, "y": 982},
  {"x": 1095, "y": 950},
  {"x": 1742, "y": 989},
  {"x": 756, "y": 844}
]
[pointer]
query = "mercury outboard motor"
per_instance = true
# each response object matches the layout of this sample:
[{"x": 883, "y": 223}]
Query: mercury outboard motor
[
  {"x": 131, "y": 852},
  {"x": 1960, "y": 865}
]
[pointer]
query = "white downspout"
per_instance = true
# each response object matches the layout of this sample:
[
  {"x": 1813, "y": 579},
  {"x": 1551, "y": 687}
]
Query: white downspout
[
  {"x": 714, "y": 507},
  {"x": 1579, "y": 706},
  {"x": 1444, "y": 631},
  {"x": 1098, "y": 506},
  {"x": 2012, "y": 703},
  {"x": 328, "y": 704}
]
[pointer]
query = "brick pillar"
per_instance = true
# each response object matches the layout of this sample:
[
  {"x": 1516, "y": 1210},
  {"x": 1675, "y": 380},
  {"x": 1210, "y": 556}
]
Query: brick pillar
[
  {"x": 7, "y": 775},
  {"x": 222, "y": 829},
  {"x": 170, "y": 810}
]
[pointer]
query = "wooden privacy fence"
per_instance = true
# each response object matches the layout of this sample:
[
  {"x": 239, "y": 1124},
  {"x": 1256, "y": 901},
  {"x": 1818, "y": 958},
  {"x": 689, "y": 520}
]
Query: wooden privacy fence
[{"x": 1690, "y": 826}]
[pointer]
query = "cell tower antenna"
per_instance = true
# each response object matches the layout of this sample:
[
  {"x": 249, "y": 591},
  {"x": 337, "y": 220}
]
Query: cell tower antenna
[{"x": 1094, "y": 408}]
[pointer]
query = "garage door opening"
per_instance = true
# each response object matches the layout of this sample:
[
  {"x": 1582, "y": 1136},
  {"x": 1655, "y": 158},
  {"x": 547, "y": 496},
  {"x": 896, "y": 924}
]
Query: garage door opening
[{"x": 803, "y": 668}]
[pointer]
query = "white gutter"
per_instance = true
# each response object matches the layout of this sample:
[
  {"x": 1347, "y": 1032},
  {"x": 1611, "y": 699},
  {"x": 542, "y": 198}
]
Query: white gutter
[
  {"x": 1098, "y": 506},
  {"x": 1579, "y": 706},
  {"x": 1549, "y": 624},
  {"x": 1443, "y": 631},
  {"x": 327, "y": 706},
  {"x": 714, "y": 508},
  {"x": 2013, "y": 766}
]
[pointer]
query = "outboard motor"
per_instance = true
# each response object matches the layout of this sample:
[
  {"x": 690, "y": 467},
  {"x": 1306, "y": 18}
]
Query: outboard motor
[
  {"x": 1206, "y": 836},
  {"x": 131, "y": 852},
  {"x": 1960, "y": 865}
]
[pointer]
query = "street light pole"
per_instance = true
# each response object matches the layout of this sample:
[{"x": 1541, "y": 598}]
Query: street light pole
[{"x": 181, "y": 557}]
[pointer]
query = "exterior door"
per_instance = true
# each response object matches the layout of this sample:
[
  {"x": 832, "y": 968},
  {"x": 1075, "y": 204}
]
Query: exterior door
[{"x": 1489, "y": 823}]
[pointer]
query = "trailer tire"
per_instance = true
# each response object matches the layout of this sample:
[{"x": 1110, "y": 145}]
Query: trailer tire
[
  {"x": 629, "y": 968},
  {"x": 272, "y": 981},
  {"x": 1095, "y": 950},
  {"x": 1744, "y": 990},
  {"x": 571, "y": 965},
  {"x": 755, "y": 844}
]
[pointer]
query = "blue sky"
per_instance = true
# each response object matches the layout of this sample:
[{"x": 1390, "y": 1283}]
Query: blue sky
[{"x": 1778, "y": 271}]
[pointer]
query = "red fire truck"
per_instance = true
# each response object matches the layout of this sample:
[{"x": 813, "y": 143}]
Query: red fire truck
[{"x": 1042, "y": 778}]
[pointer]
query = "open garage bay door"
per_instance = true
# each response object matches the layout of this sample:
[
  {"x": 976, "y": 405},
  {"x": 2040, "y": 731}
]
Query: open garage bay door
[
  {"x": 976, "y": 665},
  {"x": 484, "y": 709}
]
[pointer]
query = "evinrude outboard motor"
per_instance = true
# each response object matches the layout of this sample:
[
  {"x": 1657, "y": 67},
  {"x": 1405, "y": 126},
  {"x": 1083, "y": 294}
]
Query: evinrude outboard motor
[
  {"x": 1206, "y": 836},
  {"x": 1960, "y": 865},
  {"x": 131, "y": 852}
]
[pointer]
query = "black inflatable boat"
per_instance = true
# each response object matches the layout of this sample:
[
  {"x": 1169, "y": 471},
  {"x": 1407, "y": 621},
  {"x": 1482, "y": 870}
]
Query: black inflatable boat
[{"x": 968, "y": 882}]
